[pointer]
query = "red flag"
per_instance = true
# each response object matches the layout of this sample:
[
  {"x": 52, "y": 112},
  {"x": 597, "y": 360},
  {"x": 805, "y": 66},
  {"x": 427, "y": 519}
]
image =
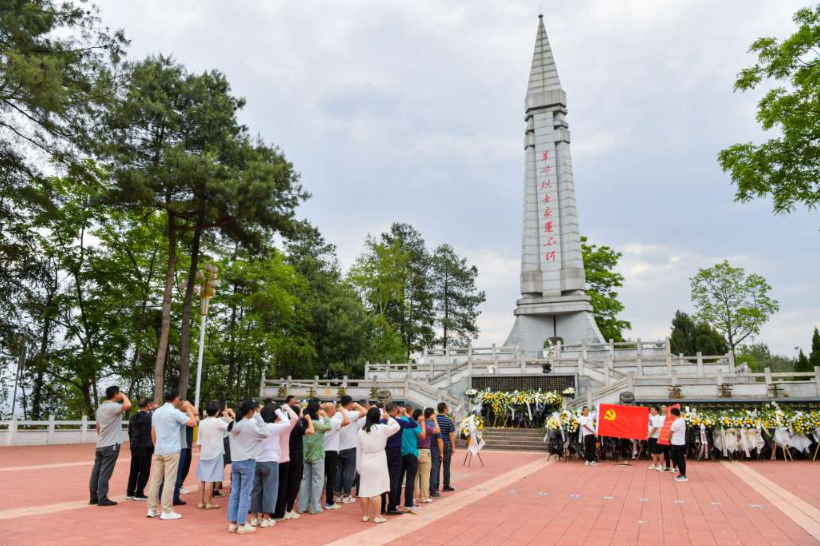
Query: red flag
[
  {"x": 666, "y": 430},
  {"x": 623, "y": 421}
]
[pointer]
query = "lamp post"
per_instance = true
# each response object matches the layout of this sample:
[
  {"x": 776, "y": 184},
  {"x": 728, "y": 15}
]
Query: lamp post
[{"x": 209, "y": 283}]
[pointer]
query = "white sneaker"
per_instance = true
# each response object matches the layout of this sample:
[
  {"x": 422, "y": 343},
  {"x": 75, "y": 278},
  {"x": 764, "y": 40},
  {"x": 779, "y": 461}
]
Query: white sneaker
[
  {"x": 593, "y": 463},
  {"x": 265, "y": 523},
  {"x": 232, "y": 527},
  {"x": 681, "y": 479},
  {"x": 130, "y": 498},
  {"x": 254, "y": 522},
  {"x": 242, "y": 529},
  {"x": 170, "y": 515},
  {"x": 332, "y": 507},
  {"x": 292, "y": 515},
  {"x": 586, "y": 463},
  {"x": 427, "y": 501},
  {"x": 349, "y": 500},
  {"x": 152, "y": 514},
  {"x": 183, "y": 491},
  {"x": 653, "y": 467}
]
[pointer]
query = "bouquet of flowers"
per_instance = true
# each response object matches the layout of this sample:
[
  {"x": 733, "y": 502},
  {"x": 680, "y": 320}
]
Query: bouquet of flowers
[
  {"x": 569, "y": 391},
  {"x": 471, "y": 423},
  {"x": 471, "y": 394}
]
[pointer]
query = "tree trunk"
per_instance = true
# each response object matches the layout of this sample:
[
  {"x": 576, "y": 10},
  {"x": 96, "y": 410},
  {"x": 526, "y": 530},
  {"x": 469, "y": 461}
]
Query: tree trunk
[
  {"x": 167, "y": 298},
  {"x": 42, "y": 361},
  {"x": 185, "y": 332}
]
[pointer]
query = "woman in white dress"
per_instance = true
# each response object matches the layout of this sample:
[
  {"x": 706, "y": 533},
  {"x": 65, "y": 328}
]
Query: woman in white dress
[{"x": 371, "y": 460}]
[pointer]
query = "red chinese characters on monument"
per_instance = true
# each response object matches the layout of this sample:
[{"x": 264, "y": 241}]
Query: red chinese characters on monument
[{"x": 547, "y": 195}]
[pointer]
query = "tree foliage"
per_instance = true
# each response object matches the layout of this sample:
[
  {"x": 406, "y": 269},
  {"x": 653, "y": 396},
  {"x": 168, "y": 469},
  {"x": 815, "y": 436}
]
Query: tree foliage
[
  {"x": 689, "y": 337},
  {"x": 814, "y": 355},
  {"x": 602, "y": 280},
  {"x": 456, "y": 296},
  {"x": 735, "y": 304},
  {"x": 786, "y": 167},
  {"x": 758, "y": 357}
]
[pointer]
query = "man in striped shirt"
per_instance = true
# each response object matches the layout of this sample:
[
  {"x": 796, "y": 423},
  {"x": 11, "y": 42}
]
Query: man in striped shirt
[{"x": 448, "y": 437}]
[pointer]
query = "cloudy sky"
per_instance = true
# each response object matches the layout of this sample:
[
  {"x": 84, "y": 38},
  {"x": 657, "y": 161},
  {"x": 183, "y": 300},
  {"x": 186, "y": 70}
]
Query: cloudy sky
[{"x": 413, "y": 112}]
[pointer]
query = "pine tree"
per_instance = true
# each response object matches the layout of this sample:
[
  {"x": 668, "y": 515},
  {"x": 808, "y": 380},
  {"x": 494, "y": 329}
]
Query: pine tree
[
  {"x": 814, "y": 356},
  {"x": 456, "y": 296},
  {"x": 802, "y": 364}
]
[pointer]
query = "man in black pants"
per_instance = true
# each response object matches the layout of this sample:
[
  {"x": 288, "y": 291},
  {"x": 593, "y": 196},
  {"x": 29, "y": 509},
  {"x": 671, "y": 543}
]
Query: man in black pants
[
  {"x": 109, "y": 430},
  {"x": 394, "y": 461},
  {"x": 678, "y": 441},
  {"x": 448, "y": 438},
  {"x": 587, "y": 424},
  {"x": 142, "y": 448}
]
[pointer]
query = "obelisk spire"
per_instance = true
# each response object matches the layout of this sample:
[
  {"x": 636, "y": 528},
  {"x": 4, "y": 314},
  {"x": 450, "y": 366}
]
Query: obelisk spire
[{"x": 543, "y": 72}]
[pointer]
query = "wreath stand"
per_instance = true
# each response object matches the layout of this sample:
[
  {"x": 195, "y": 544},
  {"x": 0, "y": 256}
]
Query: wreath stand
[{"x": 468, "y": 459}]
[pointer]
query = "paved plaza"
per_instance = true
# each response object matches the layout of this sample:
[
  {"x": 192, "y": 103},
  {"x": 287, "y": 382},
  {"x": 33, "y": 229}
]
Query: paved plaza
[{"x": 518, "y": 498}]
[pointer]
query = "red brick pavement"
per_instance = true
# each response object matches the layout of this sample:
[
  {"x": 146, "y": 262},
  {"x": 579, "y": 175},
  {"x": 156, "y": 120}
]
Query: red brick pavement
[{"x": 564, "y": 503}]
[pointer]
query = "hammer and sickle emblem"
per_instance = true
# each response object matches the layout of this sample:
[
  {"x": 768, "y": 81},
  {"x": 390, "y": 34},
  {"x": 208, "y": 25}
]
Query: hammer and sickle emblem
[{"x": 609, "y": 415}]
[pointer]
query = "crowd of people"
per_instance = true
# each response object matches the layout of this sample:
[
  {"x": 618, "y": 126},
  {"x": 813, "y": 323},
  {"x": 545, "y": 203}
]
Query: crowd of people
[
  {"x": 673, "y": 454},
  {"x": 285, "y": 460}
]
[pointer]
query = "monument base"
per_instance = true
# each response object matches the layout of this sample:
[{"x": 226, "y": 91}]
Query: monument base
[{"x": 537, "y": 319}]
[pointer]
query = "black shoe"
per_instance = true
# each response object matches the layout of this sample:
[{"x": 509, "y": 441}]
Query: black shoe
[
  {"x": 218, "y": 494},
  {"x": 393, "y": 513},
  {"x": 93, "y": 501},
  {"x": 180, "y": 503},
  {"x": 106, "y": 502},
  {"x": 140, "y": 497},
  {"x": 448, "y": 489},
  {"x": 435, "y": 494}
]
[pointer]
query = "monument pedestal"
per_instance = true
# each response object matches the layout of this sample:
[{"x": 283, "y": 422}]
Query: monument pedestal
[{"x": 538, "y": 318}]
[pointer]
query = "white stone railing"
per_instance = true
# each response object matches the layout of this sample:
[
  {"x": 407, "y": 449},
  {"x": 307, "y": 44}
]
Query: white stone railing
[
  {"x": 763, "y": 386},
  {"x": 27, "y": 433}
]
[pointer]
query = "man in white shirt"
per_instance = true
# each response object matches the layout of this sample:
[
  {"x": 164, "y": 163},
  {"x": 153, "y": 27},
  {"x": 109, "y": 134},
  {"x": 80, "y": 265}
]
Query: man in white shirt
[
  {"x": 678, "y": 441},
  {"x": 346, "y": 471},
  {"x": 109, "y": 431},
  {"x": 587, "y": 424},
  {"x": 337, "y": 421},
  {"x": 655, "y": 450},
  {"x": 166, "y": 425}
]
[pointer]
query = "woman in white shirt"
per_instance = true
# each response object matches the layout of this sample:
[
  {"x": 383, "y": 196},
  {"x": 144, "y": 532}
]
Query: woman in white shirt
[
  {"x": 678, "y": 442},
  {"x": 266, "y": 475},
  {"x": 371, "y": 460},
  {"x": 210, "y": 468}
]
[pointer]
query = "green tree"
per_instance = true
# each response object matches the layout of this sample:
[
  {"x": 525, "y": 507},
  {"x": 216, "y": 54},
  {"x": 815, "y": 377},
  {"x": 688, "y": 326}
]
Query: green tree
[
  {"x": 814, "y": 355},
  {"x": 758, "y": 356},
  {"x": 602, "y": 280},
  {"x": 733, "y": 303},
  {"x": 55, "y": 62},
  {"x": 785, "y": 167},
  {"x": 456, "y": 297},
  {"x": 177, "y": 148},
  {"x": 689, "y": 337},
  {"x": 379, "y": 276},
  {"x": 802, "y": 364},
  {"x": 413, "y": 316}
]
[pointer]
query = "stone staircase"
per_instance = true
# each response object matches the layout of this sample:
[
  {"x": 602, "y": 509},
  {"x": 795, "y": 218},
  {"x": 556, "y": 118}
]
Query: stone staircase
[{"x": 515, "y": 439}]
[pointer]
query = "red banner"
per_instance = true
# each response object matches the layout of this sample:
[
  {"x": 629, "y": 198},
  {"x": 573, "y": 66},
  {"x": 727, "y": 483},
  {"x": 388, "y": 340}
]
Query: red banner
[
  {"x": 666, "y": 430},
  {"x": 616, "y": 421}
]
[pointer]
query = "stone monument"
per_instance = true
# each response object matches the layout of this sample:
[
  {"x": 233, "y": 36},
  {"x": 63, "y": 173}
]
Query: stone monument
[{"x": 553, "y": 301}]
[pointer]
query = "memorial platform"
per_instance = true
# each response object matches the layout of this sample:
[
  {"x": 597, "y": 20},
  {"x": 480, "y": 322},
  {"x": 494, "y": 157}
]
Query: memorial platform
[{"x": 517, "y": 498}]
